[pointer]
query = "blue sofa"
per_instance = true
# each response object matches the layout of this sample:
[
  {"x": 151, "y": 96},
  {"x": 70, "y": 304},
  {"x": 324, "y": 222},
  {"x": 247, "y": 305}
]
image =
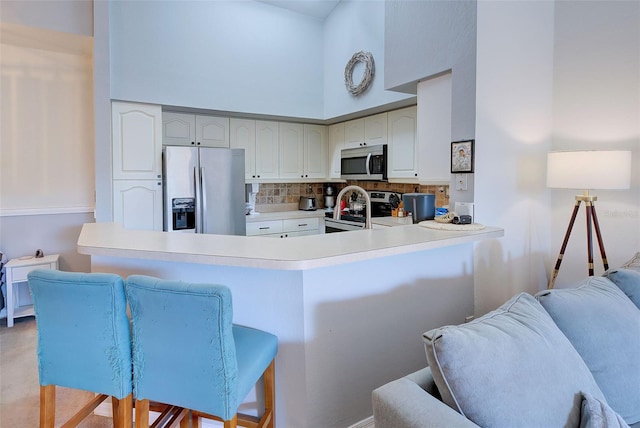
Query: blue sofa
[{"x": 562, "y": 358}]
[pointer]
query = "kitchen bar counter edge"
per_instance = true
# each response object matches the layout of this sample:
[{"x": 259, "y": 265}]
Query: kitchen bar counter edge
[{"x": 300, "y": 253}]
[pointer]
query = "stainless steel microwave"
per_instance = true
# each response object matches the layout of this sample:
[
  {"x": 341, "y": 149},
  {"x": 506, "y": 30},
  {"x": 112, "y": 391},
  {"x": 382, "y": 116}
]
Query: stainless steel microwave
[{"x": 364, "y": 163}]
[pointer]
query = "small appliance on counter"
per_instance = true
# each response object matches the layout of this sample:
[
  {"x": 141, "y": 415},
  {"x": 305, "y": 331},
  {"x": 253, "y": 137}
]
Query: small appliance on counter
[
  {"x": 422, "y": 206},
  {"x": 329, "y": 198},
  {"x": 250, "y": 192},
  {"x": 307, "y": 203}
]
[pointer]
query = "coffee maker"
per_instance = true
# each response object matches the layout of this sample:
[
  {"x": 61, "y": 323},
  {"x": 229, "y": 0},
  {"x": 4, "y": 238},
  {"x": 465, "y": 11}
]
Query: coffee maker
[{"x": 329, "y": 198}]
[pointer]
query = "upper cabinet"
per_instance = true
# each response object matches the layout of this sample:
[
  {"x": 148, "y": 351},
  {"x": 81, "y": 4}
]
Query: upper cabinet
[
  {"x": 303, "y": 151},
  {"x": 259, "y": 139},
  {"x": 375, "y": 129},
  {"x": 291, "y": 150},
  {"x": 267, "y": 149},
  {"x": 402, "y": 143},
  {"x": 195, "y": 130},
  {"x": 212, "y": 131},
  {"x": 336, "y": 144},
  {"x": 242, "y": 135},
  {"x": 353, "y": 133},
  {"x": 434, "y": 129},
  {"x": 178, "y": 129},
  {"x": 367, "y": 131},
  {"x": 315, "y": 151},
  {"x": 137, "y": 141}
]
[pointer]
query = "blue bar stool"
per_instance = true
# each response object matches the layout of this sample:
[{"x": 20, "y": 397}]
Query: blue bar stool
[
  {"x": 188, "y": 354},
  {"x": 84, "y": 341}
]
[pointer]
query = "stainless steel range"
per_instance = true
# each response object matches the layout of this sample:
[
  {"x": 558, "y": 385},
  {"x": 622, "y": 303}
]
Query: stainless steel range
[{"x": 382, "y": 203}]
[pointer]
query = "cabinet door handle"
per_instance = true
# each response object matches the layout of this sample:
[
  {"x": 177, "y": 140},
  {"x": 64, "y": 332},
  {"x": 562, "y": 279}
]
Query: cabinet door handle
[
  {"x": 265, "y": 228},
  {"x": 303, "y": 224}
]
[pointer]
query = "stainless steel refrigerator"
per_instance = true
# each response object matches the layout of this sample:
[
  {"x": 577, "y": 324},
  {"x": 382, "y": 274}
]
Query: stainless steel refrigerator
[{"x": 204, "y": 190}]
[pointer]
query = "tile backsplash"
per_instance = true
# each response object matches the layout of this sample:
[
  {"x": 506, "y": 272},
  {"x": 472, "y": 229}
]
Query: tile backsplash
[{"x": 289, "y": 193}]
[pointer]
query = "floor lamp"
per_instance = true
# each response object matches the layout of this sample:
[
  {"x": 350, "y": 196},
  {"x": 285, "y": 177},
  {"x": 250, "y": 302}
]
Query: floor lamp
[{"x": 587, "y": 170}]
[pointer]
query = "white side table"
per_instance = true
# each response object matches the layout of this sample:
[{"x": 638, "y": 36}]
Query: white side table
[{"x": 16, "y": 271}]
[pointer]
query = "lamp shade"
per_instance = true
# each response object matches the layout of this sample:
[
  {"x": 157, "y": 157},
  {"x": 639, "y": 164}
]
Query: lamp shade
[{"x": 589, "y": 169}]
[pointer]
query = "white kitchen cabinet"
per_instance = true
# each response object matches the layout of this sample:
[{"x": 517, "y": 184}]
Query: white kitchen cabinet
[
  {"x": 267, "y": 150},
  {"x": 434, "y": 130},
  {"x": 258, "y": 228},
  {"x": 291, "y": 140},
  {"x": 366, "y": 131},
  {"x": 375, "y": 129},
  {"x": 137, "y": 204},
  {"x": 286, "y": 228},
  {"x": 315, "y": 151},
  {"x": 402, "y": 143},
  {"x": 212, "y": 131},
  {"x": 137, "y": 165},
  {"x": 303, "y": 151},
  {"x": 336, "y": 144},
  {"x": 353, "y": 133},
  {"x": 259, "y": 139},
  {"x": 136, "y": 140},
  {"x": 178, "y": 129},
  {"x": 184, "y": 129},
  {"x": 242, "y": 135}
]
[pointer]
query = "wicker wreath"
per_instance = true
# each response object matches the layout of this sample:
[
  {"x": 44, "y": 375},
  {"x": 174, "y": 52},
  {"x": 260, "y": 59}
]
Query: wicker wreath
[{"x": 369, "y": 70}]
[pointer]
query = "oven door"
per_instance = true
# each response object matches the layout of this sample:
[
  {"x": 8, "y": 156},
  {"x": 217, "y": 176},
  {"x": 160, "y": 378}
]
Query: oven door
[{"x": 332, "y": 225}]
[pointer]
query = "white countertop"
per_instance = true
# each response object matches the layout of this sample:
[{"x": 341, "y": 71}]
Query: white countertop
[
  {"x": 283, "y": 215},
  {"x": 299, "y": 253}
]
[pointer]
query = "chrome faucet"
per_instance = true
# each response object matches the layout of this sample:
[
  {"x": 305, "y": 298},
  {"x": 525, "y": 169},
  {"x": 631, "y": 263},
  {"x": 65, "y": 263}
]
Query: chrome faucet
[{"x": 336, "y": 210}]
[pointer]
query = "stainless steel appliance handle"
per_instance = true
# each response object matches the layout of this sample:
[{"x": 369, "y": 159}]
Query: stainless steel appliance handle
[
  {"x": 204, "y": 200},
  {"x": 196, "y": 185},
  {"x": 368, "y": 163}
]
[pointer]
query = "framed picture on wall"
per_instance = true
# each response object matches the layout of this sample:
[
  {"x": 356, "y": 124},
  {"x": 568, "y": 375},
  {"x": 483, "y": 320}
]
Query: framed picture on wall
[{"x": 462, "y": 156}]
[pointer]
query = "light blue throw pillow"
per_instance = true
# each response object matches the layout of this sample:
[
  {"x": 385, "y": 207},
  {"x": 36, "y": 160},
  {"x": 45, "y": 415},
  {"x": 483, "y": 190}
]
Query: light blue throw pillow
[
  {"x": 604, "y": 327},
  {"x": 597, "y": 414},
  {"x": 510, "y": 368},
  {"x": 627, "y": 280}
]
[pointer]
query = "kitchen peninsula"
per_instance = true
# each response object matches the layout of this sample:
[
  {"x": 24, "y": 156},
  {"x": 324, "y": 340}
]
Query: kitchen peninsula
[{"x": 348, "y": 308}]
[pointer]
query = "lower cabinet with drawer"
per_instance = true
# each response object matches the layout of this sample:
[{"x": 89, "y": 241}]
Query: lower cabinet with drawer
[
  {"x": 286, "y": 228},
  {"x": 19, "y": 303}
]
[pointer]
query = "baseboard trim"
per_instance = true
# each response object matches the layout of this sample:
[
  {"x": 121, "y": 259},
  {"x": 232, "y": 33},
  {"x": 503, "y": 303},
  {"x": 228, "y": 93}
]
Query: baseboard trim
[{"x": 365, "y": 423}]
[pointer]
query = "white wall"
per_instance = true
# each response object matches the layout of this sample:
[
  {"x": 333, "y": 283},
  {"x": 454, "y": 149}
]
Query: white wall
[
  {"x": 351, "y": 27},
  {"x": 596, "y": 105},
  {"x": 69, "y": 16},
  {"x": 551, "y": 76},
  {"x": 47, "y": 128},
  {"x": 241, "y": 56},
  {"x": 427, "y": 38},
  {"x": 513, "y": 134}
]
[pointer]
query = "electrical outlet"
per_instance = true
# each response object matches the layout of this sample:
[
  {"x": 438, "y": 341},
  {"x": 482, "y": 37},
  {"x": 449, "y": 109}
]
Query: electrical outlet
[{"x": 461, "y": 181}]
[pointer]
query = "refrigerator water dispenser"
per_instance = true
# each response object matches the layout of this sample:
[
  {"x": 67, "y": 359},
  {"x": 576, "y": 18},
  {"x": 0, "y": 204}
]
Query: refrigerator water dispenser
[{"x": 184, "y": 213}]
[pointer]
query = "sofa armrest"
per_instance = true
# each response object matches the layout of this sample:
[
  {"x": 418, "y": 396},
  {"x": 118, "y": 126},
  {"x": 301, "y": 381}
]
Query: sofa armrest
[{"x": 404, "y": 403}]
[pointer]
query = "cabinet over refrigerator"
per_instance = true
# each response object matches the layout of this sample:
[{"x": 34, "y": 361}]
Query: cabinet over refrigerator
[{"x": 204, "y": 190}]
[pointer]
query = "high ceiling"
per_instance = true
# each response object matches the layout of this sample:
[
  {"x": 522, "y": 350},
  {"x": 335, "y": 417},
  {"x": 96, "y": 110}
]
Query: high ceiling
[{"x": 317, "y": 8}]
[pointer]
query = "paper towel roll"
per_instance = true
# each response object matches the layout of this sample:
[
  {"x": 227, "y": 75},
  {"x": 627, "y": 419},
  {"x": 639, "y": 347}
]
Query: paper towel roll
[{"x": 255, "y": 187}]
